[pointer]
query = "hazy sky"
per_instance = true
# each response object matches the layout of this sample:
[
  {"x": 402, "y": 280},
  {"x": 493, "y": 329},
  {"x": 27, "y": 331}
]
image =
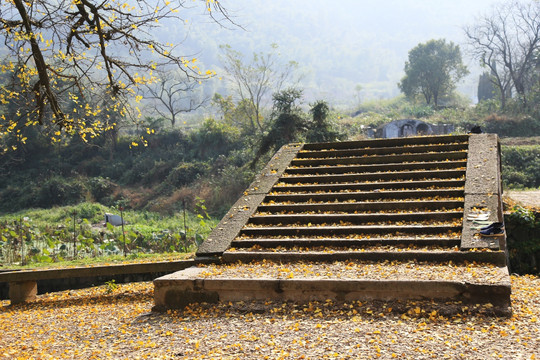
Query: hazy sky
[{"x": 342, "y": 43}]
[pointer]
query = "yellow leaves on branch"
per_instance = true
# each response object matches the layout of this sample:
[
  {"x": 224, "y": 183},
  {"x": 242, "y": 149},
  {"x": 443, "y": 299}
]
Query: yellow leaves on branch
[{"x": 67, "y": 84}]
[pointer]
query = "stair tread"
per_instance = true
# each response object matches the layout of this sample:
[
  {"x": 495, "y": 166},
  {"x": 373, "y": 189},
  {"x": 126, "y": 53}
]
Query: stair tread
[
  {"x": 360, "y": 270},
  {"x": 435, "y": 184},
  {"x": 382, "y": 192},
  {"x": 392, "y": 142},
  {"x": 353, "y": 227},
  {"x": 346, "y": 249},
  {"x": 386, "y": 151},
  {"x": 339, "y": 239},
  {"x": 395, "y": 173},
  {"x": 365, "y": 215},
  {"x": 447, "y": 164},
  {"x": 331, "y": 255}
]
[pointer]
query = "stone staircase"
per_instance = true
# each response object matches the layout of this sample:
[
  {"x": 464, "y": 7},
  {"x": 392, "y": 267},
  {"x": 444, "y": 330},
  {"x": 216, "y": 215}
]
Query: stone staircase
[{"x": 376, "y": 219}]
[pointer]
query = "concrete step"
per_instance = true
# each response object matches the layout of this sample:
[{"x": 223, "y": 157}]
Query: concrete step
[
  {"x": 408, "y": 205},
  {"x": 349, "y": 148},
  {"x": 289, "y": 242},
  {"x": 395, "y": 142},
  {"x": 307, "y": 231},
  {"x": 393, "y": 185},
  {"x": 493, "y": 257},
  {"x": 357, "y": 157},
  {"x": 389, "y": 167},
  {"x": 355, "y": 218},
  {"x": 363, "y": 196},
  {"x": 372, "y": 177},
  {"x": 341, "y": 280}
]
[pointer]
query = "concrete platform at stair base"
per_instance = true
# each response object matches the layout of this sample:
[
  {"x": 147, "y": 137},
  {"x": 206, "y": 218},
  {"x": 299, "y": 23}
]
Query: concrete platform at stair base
[{"x": 177, "y": 290}]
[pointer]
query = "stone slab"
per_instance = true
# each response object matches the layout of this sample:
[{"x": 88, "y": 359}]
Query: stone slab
[
  {"x": 22, "y": 291},
  {"x": 93, "y": 271},
  {"x": 483, "y": 166},
  {"x": 483, "y": 189},
  {"x": 468, "y": 238},
  {"x": 494, "y": 257},
  {"x": 185, "y": 287},
  {"x": 229, "y": 227}
]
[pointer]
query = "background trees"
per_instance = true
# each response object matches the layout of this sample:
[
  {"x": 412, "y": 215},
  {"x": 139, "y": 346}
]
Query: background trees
[
  {"x": 173, "y": 95},
  {"x": 507, "y": 43},
  {"x": 432, "y": 70},
  {"x": 254, "y": 81}
]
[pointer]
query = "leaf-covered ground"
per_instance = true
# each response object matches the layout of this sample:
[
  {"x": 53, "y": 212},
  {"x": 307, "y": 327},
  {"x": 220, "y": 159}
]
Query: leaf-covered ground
[{"x": 104, "y": 322}]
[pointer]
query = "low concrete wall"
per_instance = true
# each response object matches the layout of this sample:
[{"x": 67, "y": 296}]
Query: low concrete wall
[
  {"x": 51, "y": 280},
  {"x": 52, "y": 285}
]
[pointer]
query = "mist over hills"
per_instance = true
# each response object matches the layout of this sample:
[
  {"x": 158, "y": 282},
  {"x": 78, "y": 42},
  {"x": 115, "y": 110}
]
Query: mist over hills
[{"x": 338, "y": 44}]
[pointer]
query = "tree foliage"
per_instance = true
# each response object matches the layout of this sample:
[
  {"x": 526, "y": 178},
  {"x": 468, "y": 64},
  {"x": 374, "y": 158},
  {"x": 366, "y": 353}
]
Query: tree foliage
[
  {"x": 321, "y": 129},
  {"x": 288, "y": 121},
  {"x": 507, "y": 43},
  {"x": 255, "y": 80},
  {"x": 432, "y": 70},
  {"x": 486, "y": 87},
  {"x": 72, "y": 63}
]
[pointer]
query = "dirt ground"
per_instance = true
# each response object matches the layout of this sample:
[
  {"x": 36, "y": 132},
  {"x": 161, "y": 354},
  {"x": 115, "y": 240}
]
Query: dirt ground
[{"x": 525, "y": 198}]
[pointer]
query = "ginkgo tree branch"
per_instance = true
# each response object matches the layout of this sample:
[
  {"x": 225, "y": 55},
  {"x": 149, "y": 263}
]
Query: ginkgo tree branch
[
  {"x": 80, "y": 49},
  {"x": 41, "y": 68}
]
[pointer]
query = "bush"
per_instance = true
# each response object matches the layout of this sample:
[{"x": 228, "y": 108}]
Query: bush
[
  {"x": 504, "y": 125},
  {"x": 521, "y": 166},
  {"x": 59, "y": 191},
  {"x": 418, "y": 111},
  {"x": 523, "y": 240},
  {"x": 186, "y": 173},
  {"x": 100, "y": 188},
  {"x": 92, "y": 212}
]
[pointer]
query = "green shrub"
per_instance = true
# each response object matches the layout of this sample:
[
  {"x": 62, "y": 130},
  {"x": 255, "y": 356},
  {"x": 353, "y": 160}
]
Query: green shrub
[
  {"x": 92, "y": 212},
  {"x": 100, "y": 188},
  {"x": 418, "y": 111},
  {"x": 59, "y": 191},
  {"x": 186, "y": 173},
  {"x": 523, "y": 240},
  {"x": 512, "y": 126},
  {"x": 521, "y": 166},
  {"x": 158, "y": 172}
]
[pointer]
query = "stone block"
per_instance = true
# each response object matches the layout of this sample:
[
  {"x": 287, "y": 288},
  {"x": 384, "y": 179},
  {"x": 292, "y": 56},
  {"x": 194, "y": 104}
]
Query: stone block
[{"x": 22, "y": 291}]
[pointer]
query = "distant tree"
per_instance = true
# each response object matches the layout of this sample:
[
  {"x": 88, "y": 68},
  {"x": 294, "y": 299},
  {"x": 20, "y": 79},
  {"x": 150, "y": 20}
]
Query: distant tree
[
  {"x": 256, "y": 79},
  {"x": 358, "y": 93},
  {"x": 173, "y": 95},
  {"x": 507, "y": 42},
  {"x": 288, "y": 121},
  {"x": 432, "y": 70},
  {"x": 486, "y": 87},
  {"x": 66, "y": 53},
  {"x": 321, "y": 129},
  {"x": 234, "y": 114}
]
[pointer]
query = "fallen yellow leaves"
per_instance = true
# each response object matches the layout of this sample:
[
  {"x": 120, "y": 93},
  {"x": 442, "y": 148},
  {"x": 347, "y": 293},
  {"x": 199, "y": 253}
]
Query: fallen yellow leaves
[
  {"x": 85, "y": 324},
  {"x": 477, "y": 273},
  {"x": 359, "y": 248}
]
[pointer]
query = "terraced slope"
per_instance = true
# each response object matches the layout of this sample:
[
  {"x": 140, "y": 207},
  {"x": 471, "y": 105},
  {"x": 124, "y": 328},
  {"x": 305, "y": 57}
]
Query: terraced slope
[{"x": 380, "y": 219}]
